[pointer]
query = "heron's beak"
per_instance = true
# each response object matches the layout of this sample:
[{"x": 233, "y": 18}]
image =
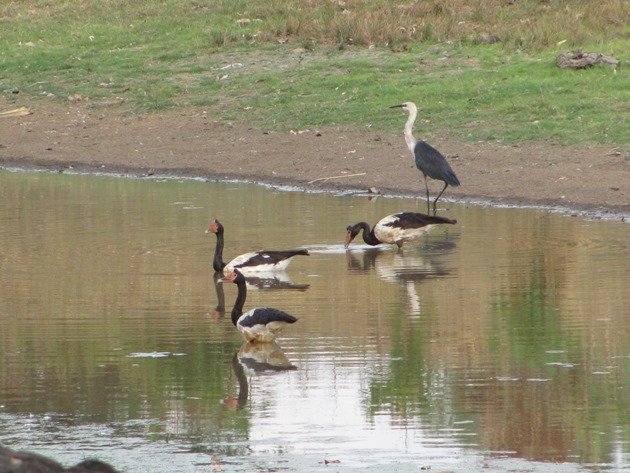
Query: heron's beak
[{"x": 397, "y": 106}]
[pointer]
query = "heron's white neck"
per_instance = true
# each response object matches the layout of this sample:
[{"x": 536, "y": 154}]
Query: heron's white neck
[{"x": 409, "y": 139}]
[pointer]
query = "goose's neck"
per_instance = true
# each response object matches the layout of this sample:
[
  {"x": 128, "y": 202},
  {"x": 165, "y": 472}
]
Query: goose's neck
[
  {"x": 237, "y": 310},
  {"x": 368, "y": 234},
  {"x": 217, "y": 262},
  {"x": 409, "y": 139}
]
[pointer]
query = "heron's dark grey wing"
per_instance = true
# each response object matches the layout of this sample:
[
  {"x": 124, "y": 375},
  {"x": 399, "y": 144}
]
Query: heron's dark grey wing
[
  {"x": 417, "y": 220},
  {"x": 265, "y": 315},
  {"x": 432, "y": 163}
]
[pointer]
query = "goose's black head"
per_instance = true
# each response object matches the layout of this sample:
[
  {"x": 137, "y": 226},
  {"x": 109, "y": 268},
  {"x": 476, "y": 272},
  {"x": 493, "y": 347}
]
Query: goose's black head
[
  {"x": 215, "y": 227},
  {"x": 352, "y": 232},
  {"x": 235, "y": 276}
]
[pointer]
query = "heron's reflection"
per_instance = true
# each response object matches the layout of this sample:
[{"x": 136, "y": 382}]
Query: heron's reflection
[
  {"x": 262, "y": 281},
  {"x": 408, "y": 267},
  {"x": 256, "y": 359}
]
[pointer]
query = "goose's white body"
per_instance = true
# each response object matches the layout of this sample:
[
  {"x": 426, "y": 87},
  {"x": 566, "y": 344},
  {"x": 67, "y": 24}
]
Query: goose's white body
[
  {"x": 240, "y": 263},
  {"x": 261, "y": 333},
  {"x": 388, "y": 231},
  {"x": 396, "y": 228}
]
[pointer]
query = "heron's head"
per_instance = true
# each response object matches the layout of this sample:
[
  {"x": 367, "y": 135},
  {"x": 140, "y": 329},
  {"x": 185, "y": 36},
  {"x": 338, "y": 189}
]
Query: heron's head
[
  {"x": 408, "y": 106},
  {"x": 352, "y": 231},
  {"x": 215, "y": 227}
]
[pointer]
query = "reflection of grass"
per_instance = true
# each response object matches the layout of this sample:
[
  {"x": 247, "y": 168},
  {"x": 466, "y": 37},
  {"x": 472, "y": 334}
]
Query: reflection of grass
[
  {"x": 404, "y": 389},
  {"x": 99, "y": 298},
  {"x": 414, "y": 388},
  {"x": 529, "y": 340},
  {"x": 526, "y": 321},
  {"x": 172, "y": 54},
  {"x": 503, "y": 377}
]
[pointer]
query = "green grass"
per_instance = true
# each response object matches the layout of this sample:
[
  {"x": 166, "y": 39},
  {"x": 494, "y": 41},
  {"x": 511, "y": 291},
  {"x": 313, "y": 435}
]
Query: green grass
[{"x": 172, "y": 54}]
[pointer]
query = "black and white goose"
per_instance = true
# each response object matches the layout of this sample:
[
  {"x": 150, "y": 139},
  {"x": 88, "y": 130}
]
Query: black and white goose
[
  {"x": 260, "y": 324},
  {"x": 256, "y": 261},
  {"x": 396, "y": 228}
]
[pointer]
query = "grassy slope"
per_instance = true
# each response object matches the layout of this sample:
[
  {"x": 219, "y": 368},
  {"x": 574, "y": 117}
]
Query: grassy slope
[{"x": 305, "y": 64}]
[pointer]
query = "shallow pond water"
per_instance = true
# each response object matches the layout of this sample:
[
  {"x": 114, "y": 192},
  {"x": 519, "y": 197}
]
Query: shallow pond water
[{"x": 498, "y": 344}]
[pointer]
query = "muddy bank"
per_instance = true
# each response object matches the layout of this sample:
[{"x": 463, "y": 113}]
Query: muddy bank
[{"x": 593, "y": 180}]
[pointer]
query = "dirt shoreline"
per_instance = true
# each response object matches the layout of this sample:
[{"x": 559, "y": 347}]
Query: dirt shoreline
[{"x": 591, "y": 181}]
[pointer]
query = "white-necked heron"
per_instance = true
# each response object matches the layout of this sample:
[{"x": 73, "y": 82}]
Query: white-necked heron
[{"x": 428, "y": 159}]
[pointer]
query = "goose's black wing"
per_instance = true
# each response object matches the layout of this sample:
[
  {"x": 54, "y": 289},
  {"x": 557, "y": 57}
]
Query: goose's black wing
[
  {"x": 406, "y": 220},
  {"x": 264, "y": 316}
]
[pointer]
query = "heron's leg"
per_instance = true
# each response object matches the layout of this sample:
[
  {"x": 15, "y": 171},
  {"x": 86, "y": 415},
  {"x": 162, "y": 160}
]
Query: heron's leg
[
  {"x": 436, "y": 199},
  {"x": 426, "y": 186}
]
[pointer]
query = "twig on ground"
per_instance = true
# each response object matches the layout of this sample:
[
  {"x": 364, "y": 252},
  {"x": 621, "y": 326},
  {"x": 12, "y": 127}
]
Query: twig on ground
[{"x": 336, "y": 177}]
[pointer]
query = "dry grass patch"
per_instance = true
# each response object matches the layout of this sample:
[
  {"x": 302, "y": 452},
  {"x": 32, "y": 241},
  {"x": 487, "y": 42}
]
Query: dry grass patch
[{"x": 523, "y": 24}]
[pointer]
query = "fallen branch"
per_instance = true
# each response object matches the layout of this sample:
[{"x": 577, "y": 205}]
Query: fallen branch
[
  {"x": 580, "y": 60},
  {"x": 16, "y": 112},
  {"x": 336, "y": 177}
]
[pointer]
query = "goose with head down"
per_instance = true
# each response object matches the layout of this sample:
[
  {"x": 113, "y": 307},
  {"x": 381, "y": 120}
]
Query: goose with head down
[{"x": 395, "y": 229}]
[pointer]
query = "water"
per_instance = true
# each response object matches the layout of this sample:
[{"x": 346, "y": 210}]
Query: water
[{"x": 498, "y": 344}]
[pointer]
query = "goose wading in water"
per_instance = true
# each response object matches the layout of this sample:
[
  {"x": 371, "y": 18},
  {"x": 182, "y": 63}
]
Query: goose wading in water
[
  {"x": 260, "y": 324},
  {"x": 395, "y": 229},
  {"x": 429, "y": 160},
  {"x": 256, "y": 261}
]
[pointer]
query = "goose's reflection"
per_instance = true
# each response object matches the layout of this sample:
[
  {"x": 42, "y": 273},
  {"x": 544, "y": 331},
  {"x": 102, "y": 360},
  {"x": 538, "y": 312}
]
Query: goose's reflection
[
  {"x": 263, "y": 358},
  {"x": 273, "y": 280},
  {"x": 240, "y": 400},
  {"x": 256, "y": 359},
  {"x": 407, "y": 268},
  {"x": 219, "y": 310},
  {"x": 262, "y": 281},
  {"x": 401, "y": 266}
]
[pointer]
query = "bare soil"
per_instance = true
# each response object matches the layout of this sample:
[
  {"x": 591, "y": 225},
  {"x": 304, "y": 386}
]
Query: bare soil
[{"x": 586, "y": 180}]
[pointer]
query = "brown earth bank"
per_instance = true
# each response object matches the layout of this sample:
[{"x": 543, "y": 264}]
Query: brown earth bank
[{"x": 587, "y": 180}]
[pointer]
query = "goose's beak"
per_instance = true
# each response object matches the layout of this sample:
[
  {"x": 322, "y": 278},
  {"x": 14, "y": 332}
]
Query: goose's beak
[
  {"x": 397, "y": 106},
  {"x": 348, "y": 240}
]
